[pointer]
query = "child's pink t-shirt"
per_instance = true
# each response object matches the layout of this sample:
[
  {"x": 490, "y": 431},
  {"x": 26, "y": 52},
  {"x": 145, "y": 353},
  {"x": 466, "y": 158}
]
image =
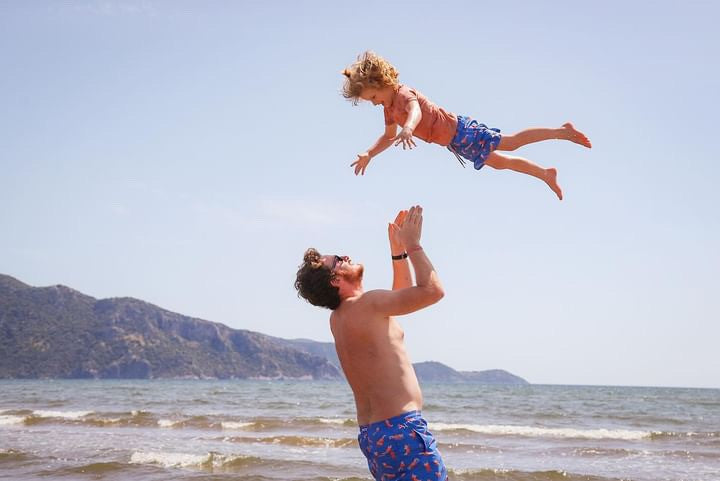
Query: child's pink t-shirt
[{"x": 437, "y": 125}]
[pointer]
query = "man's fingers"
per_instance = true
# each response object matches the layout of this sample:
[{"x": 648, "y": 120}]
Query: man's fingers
[
  {"x": 411, "y": 215},
  {"x": 414, "y": 214}
]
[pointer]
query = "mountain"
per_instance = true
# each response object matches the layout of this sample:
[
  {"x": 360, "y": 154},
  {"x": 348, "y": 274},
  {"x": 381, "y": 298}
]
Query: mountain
[
  {"x": 322, "y": 349},
  {"x": 57, "y": 332},
  {"x": 437, "y": 372}
]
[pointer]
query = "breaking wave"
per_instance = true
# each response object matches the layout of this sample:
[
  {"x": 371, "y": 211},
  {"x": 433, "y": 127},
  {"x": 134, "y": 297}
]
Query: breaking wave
[
  {"x": 515, "y": 475},
  {"x": 215, "y": 461},
  {"x": 533, "y": 431}
]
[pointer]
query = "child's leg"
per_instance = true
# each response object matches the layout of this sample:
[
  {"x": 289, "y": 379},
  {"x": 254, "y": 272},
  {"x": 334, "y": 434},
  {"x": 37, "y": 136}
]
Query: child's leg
[
  {"x": 529, "y": 136},
  {"x": 518, "y": 164}
]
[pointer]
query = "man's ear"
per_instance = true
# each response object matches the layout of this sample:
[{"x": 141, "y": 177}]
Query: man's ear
[{"x": 335, "y": 281}]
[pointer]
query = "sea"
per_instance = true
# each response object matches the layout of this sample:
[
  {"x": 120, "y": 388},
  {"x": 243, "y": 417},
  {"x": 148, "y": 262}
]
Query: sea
[{"x": 151, "y": 430}]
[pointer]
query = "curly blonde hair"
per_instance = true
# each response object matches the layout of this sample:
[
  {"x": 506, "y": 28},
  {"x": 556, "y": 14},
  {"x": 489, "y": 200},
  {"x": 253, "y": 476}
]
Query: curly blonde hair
[{"x": 370, "y": 70}]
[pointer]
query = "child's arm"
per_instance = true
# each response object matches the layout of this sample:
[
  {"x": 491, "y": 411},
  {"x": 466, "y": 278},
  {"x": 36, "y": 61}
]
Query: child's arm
[
  {"x": 382, "y": 143},
  {"x": 413, "y": 119}
]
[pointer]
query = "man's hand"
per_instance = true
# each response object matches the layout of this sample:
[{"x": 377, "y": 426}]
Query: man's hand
[
  {"x": 396, "y": 245},
  {"x": 411, "y": 229},
  {"x": 405, "y": 137},
  {"x": 361, "y": 163}
]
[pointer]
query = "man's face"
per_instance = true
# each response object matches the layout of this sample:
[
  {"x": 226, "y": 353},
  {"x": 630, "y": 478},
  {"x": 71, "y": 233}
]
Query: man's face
[{"x": 343, "y": 267}]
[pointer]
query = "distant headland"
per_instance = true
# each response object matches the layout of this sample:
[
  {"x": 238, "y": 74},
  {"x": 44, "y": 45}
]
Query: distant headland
[{"x": 59, "y": 333}]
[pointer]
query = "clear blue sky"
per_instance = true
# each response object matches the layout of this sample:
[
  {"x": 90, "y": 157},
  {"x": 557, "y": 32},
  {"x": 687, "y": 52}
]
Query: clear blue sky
[{"x": 186, "y": 153}]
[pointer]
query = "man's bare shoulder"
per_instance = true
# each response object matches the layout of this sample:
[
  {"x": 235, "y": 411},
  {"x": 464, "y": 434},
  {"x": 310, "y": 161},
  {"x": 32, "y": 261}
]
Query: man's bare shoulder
[
  {"x": 367, "y": 301},
  {"x": 370, "y": 298}
]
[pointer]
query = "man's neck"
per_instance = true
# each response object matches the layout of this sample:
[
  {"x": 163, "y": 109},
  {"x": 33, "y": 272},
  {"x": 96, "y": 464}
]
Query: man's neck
[{"x": 351, "y": 292}]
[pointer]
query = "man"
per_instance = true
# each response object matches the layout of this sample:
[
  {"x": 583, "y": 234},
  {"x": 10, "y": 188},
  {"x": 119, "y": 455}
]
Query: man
[{"x": 393, "y": 434}]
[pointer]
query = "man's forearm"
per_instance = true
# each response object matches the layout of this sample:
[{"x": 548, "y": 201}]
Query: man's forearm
[
  {"x": 401, "y": 273},
  {"x": 425, "y": 275}
]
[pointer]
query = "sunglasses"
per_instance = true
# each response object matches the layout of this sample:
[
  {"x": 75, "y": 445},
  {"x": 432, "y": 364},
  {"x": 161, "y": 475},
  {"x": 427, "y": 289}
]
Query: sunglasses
[{"x": 335, "y": 261}]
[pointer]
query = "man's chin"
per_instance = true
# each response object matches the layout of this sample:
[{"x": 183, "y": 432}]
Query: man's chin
[{"x": 357, "y": 274}]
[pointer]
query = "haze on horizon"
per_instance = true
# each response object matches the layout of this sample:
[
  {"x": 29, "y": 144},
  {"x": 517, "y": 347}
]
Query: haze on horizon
[{"x": 186, "y": 154}]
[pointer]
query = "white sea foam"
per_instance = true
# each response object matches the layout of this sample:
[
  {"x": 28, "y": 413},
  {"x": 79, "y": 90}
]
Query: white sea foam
[
  {"x": 184, "y": 460},
  {"x": 62, "y": 414},
  {"x": 8, "y": 420},
  {"x": 167, "y": 423},
  {"x": 170, "y": 460},
  {"x": 234, "y": 425},
  {"x": 334, "y": 420},
  {"x": 531, "y": 431}
]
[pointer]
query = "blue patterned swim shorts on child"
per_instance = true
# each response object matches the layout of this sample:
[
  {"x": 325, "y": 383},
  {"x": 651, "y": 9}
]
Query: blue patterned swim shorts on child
[
  {"x": 402, "y": 449},
  {"x": 473, "y": 141}
]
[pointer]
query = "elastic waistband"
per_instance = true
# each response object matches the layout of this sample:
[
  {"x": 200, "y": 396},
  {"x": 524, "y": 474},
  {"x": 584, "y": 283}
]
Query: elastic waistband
[{"x": 392, "y": 420}]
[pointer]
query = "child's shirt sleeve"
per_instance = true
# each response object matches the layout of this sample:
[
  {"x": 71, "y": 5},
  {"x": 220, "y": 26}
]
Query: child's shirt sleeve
[
  {"x": 405, "y": 96},
  {"x": 398, "y": 112}
]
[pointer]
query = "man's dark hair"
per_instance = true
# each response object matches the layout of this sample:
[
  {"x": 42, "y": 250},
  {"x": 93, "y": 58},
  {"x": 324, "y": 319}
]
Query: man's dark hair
[{"x": 313, "y": 282}]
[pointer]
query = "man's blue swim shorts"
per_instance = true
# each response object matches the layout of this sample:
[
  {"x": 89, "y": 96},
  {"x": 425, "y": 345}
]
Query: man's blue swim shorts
[
  {"x": 473, "y": 141},
  {"x": 402, "y": 449}
]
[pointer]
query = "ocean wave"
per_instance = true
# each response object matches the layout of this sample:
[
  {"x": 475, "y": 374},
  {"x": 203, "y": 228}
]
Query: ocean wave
[
  {"x": 103, "y": 421},
  {"x": 597, "y": 452},
  {"x": 711, "y": 435},
  {"x": 337, "y": 421},
  {"x": 9, "y": 455},
  {"x": 6, "y": 420},
  {"x": 149, "y": 419},
  {"x": 607, "y": 453},
  {"x": 95, "y": 469},
  {"x": 213, "y": 461},
  {"x": 233, "y": 425},
  {"x": 167, "y": 423},
  {"x": 514, "y": 475},
  {"x": 533, "y": 431},
  {"x": 42, "y": 416},
  {"x": 264, "y": 424},
  {"x": 298, "y": 441},
  {"x": 325, "y": 478},
  {"x": 61, "y": 414},
  {"x": 196, "y": 422}
]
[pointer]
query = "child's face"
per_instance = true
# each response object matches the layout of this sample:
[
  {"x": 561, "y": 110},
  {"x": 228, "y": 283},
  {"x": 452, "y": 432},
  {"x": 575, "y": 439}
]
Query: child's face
[{"x": 376, "y": 96}]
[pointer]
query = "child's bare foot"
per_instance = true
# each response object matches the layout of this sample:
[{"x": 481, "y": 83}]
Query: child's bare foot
[
  {"x": 573, "y": 135},
  {"x": 551, "y": 181}
]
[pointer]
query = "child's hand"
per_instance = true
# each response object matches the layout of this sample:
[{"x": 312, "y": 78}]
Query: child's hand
[
  {"x": 361, "y": 163},
  {"x": 405, "y": 137}
]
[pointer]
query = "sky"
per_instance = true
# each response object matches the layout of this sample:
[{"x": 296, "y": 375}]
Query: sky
[{"x": 187, "y": 153}]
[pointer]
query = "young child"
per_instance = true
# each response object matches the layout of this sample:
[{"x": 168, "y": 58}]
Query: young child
[{"x": 374, "y": 79}]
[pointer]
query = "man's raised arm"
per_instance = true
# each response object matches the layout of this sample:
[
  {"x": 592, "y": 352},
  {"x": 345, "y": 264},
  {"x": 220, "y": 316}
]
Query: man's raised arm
[{"x": 428, "y": 289}]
